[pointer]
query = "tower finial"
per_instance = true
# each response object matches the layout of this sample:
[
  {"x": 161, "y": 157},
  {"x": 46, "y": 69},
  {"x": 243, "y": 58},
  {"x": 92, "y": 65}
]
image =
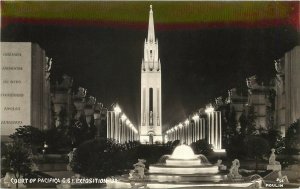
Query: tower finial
[{"x": 151, "y": 35}]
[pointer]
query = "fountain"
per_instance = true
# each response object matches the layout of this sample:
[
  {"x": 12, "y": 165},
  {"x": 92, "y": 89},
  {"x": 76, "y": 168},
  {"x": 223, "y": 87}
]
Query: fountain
[{"x": 181, "y": 169}]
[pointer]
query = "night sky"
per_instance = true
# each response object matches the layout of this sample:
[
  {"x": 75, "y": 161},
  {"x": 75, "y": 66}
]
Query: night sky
[{"x": 202, "y": 56}]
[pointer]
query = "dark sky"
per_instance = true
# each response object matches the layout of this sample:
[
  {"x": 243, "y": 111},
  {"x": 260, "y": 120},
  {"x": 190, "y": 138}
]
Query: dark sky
[{"x": 198, "y": 64}]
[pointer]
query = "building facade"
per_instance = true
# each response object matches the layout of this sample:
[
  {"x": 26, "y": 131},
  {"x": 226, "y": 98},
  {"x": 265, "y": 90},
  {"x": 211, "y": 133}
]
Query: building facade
[
  {"x": 25, "y": 87},
  {"x": 151, "y": 125},
  {"x": 287, "y": 101}
]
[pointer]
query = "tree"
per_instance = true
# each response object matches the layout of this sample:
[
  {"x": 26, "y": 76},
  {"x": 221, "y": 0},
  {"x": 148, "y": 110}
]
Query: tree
[
  {"x": 17, "y": 159},
  {"x": 79, "y": 131},
  {"x": 29, "y": 135},
  {"x": 274, "y": 138},
  {"x": 256, "y": 147},
  {"x": 201, "y": 147},
  {"x": 292, "y": 137},
  {"x": 236, "y": 147},
  {"x": 230, "y": 126},
  {"x": 247, "y": 120},
  {"x": 98, "y": 158}
]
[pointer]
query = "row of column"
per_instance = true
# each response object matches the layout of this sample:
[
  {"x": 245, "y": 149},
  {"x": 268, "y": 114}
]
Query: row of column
[
  {"x": 120, "y": 128},
  {"x": 196, "y": 128}
]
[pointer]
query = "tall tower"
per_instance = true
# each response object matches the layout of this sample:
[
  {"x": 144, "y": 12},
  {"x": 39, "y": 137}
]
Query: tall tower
[{"x": 150, "y": 129}]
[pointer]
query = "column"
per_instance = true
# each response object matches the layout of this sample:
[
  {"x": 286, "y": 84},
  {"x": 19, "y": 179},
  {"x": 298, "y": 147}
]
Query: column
[
  {"x": 112, "y": 130},
  {"x": 208, "y": 128}
]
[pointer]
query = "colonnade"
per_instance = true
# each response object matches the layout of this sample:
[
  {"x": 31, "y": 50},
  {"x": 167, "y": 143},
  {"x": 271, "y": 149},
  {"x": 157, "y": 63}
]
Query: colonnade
[
  {"x": 197, "y": 127},
  {"x": 119, "y": 127}
]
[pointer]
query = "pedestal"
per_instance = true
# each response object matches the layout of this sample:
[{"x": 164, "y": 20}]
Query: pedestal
[{"x": 274, "y": 167}]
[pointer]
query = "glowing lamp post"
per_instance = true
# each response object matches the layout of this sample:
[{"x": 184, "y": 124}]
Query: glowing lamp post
[
  {"x": 117, "y": 111},
  {"x": 209, "y": 111},
  {"x": 44, "y": 148},
  {"x": 214, "y": 128},
  {"x": 196, "y": 128},
  {"x": 185, "y": 130},
  {"x": 132, "y": 132},
  {"x": 123, "y": 128},
  {"x": 180, "y": 132},
  {"x": 127, "y": 128}
]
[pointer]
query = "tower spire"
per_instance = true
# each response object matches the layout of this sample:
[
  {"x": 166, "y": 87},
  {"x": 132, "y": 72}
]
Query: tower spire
[{"x": 151, "y": 35}]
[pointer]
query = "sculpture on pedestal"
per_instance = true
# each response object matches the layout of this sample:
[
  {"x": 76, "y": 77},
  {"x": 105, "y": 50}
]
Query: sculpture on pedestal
[
  {"x": 234, "y": 170},
  {"x": 220, "y": 165},
  {"x": 138, "y": 174},
  {"x": 272, "y": 159},
  {"x": 273, "y": 164},
  {"x": 71, "y": 156}
]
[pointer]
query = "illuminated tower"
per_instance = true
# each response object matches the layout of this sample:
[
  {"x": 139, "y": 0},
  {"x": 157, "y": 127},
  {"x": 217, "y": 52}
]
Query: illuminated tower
[{"x": 150, "y": 129}]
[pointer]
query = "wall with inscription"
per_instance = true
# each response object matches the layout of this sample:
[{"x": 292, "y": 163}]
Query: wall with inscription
[{"x": 15, "y": 86}]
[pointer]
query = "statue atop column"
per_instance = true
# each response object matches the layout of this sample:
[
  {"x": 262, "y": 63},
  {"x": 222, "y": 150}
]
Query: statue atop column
[
  {"x": 219, "y": 101},
  {"x": 89, "y": 109},
  {"x": 279, "y": 67},
  {"x": 48, "y": 67},
  {"x": 252, "y": 82},
  {"x": 79, "y": 101}
]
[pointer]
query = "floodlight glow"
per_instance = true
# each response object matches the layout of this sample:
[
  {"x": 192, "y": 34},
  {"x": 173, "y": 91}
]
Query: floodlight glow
[
  {"x": 117, "y": 109},
  {"x": 183, "y": 152},
  {"x": 127, "y": 122},
  {"x": 180, "y": 125},
  {"x": 186, "y": 122},
  {"x": 209, "y": 109},
  {"x": 123, "y": 117},
  {"x": 196, "y": 117},
  {"x": 175, "y": 128}
]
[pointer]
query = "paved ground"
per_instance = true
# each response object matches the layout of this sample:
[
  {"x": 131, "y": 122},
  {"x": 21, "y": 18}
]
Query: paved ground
[{"x": 61, "y": 174}]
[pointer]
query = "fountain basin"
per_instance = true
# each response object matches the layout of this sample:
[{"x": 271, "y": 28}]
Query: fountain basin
[
  {"x": 182, "y": 169},
  {"x": 183, "y": 178},
  {"x": 207, "y": 169},
  {"x": 183, "y": 184},
  {"x": 178, "y": 162}
]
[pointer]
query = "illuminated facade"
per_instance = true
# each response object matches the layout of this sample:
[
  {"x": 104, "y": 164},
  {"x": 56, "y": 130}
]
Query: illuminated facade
[
  {"x": 119, "y": 127},
  {"x": 287, "y": 100},
  {"x": 151, "y": 125}
]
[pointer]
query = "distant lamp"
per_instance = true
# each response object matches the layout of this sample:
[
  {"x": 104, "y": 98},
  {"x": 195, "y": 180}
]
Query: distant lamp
[
  {"x": 196, "y": 117},
  {"x": 117, "y": 109},
  {"x": 45, "y": 145},
  {"x": 123, "y": 117},
  {"x": 180, "y": 125},
  {"x": 209, "y": 109},
  {"x": 186, "y": 122}
]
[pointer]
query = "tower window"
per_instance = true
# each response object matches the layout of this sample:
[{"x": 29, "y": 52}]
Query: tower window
[
  {"x": 151, "y": 106},
  {"x": 151, "y": 99}
]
